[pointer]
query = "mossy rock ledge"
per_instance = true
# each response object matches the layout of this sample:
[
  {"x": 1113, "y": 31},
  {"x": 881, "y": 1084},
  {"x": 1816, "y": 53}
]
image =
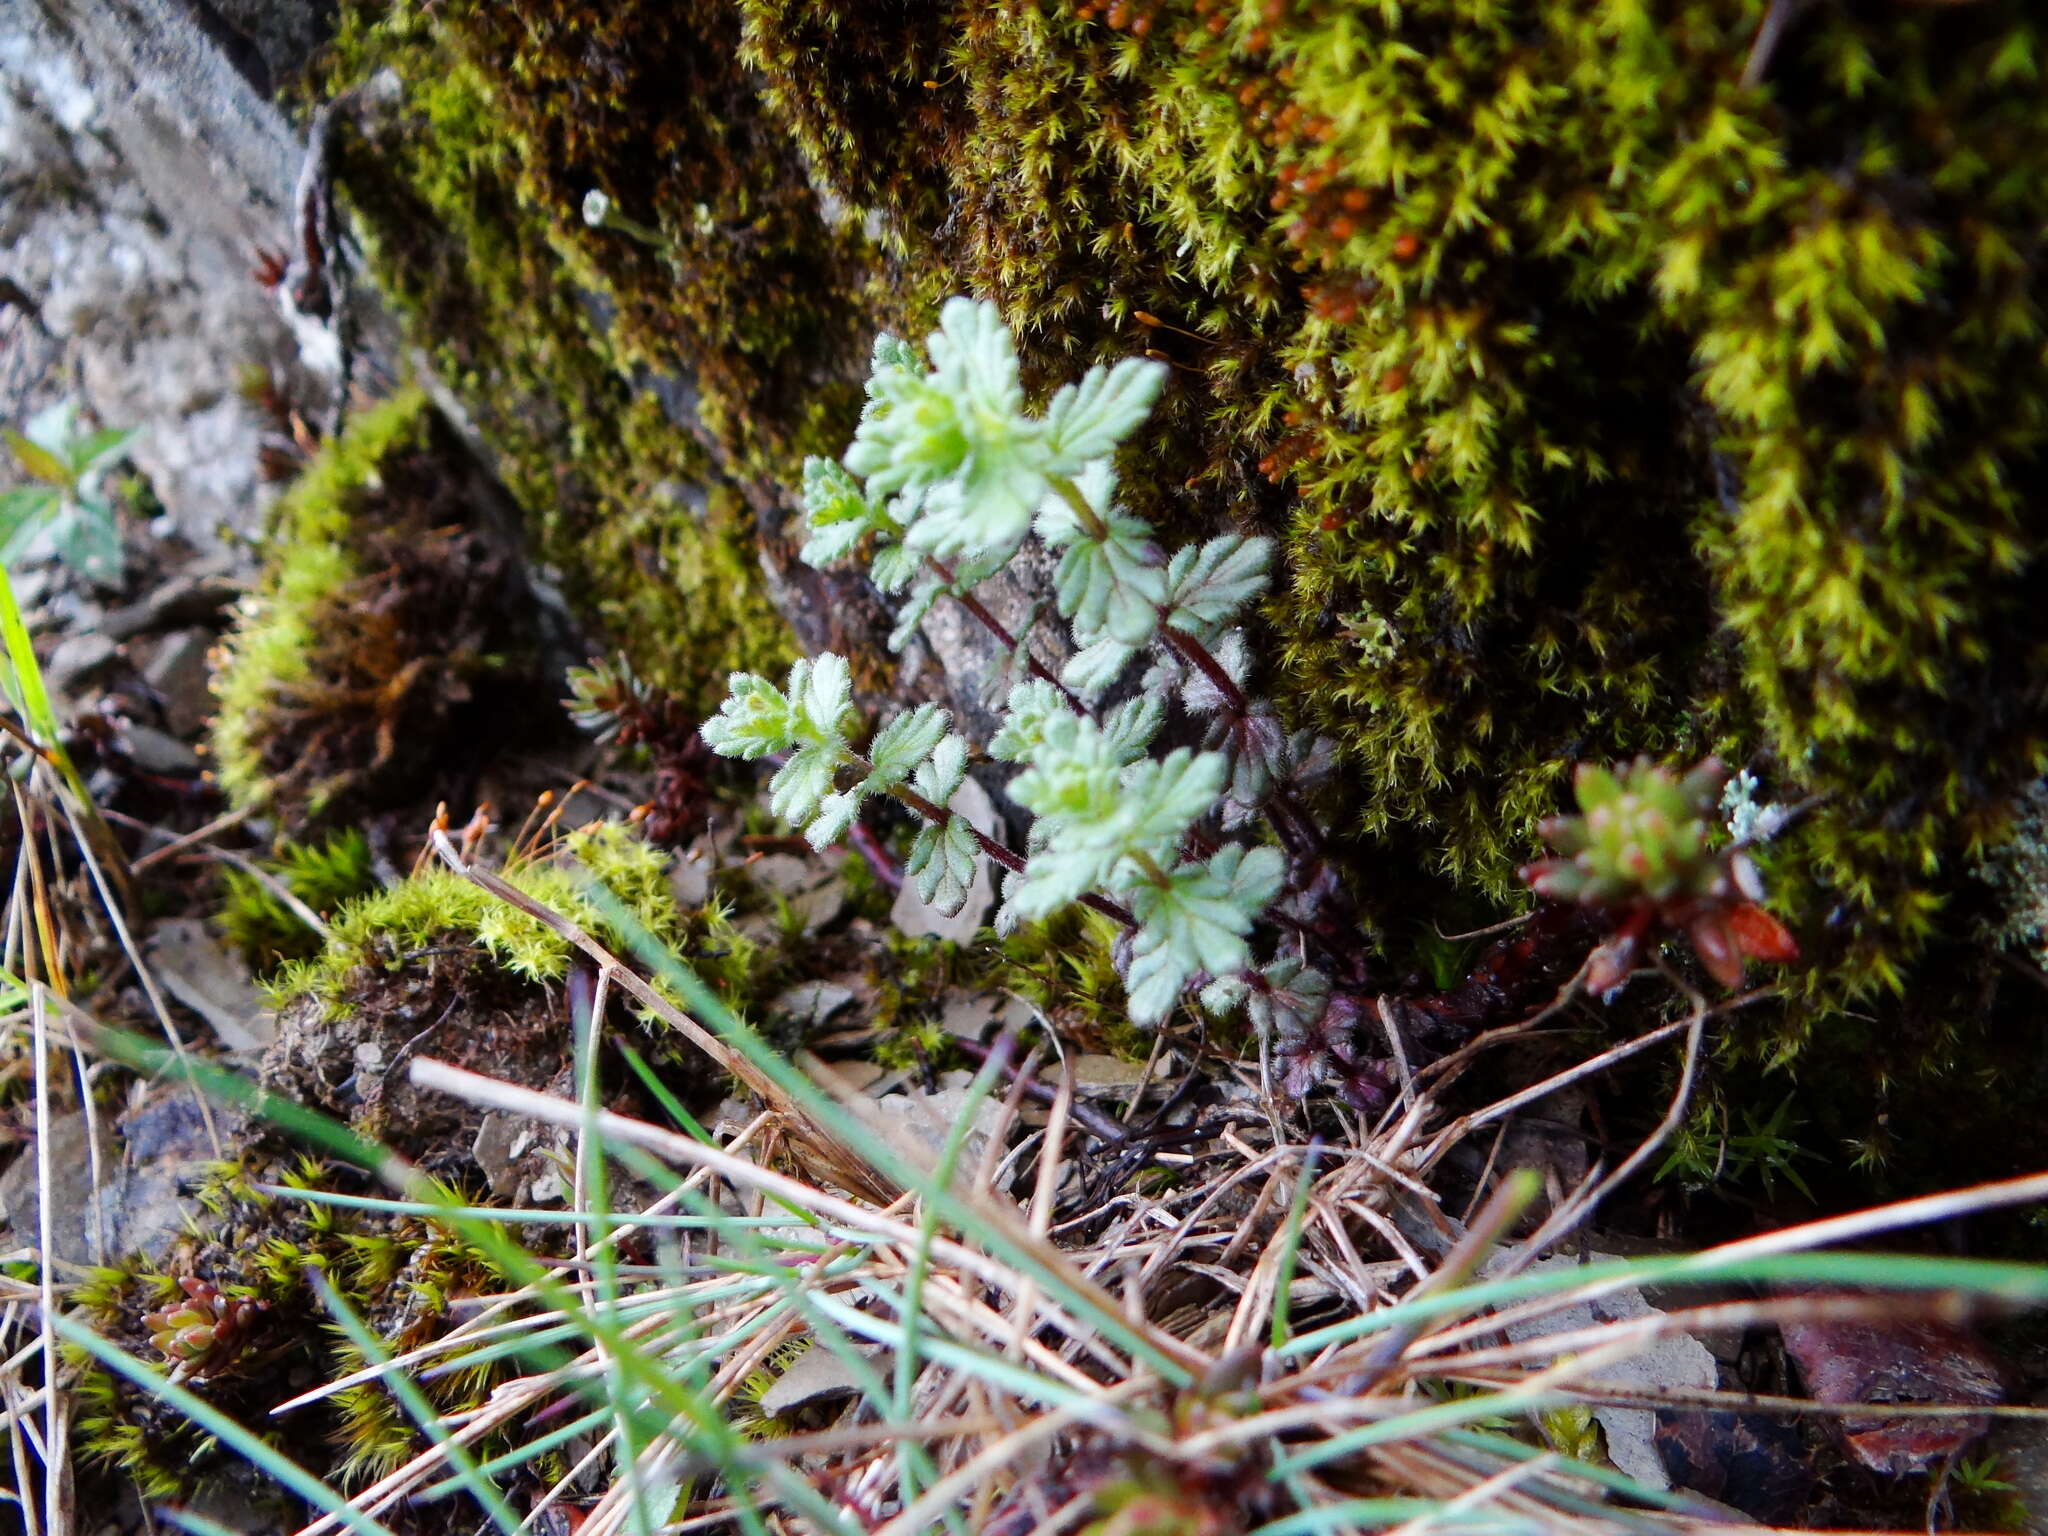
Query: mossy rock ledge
[
  {"x": 391, "y": 632},
  {"x": 1623, "y": 378}
]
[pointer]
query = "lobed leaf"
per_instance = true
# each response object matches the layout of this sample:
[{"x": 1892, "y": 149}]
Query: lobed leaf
[
  {"x": 755, "y": 719},
  {"x": 798, "y": 790},
  {"x": 942, "y": 861},
  {"x": 938, "y": 777},
  {"x": 1209, "y": 583},
  {"x": 1087, "y": 420}
]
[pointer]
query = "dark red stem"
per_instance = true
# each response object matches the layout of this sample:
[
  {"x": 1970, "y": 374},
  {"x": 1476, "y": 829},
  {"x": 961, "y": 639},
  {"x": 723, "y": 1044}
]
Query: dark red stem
[
  {"x": 1294, "y": 826},
  {"x": 1004, "y": 638},
  {"x": 939, "y": 815}
]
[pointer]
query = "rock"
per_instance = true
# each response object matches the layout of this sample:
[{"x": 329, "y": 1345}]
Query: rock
[
  {"x": 1095, "y": 1073},
  {"x": 927, "y": 1119},
  {"x": 501, "y": 1141},
  {"x": 966, "y": 1014},
  {"x": 141, "y": 170},
  {"x": 1754, "y": 1462},
  {"x": 689, "y": 878},
  {"x": 814, "y": 891},
  {"x": 548, "y": 1188},
  {"x": 817, "y": 1375},
  {"x": 79, "y": 1232},
  {"x": 155, "y": 751},
  {"x": 178, "y": 673},
  {"x": 212, "y": 982},
  {"x": 820, "y": 906},
  {"x": 2020, "y": 1447},
  {"x": 783, "y": 874},
  {"x": 914, "y": 916},
  {"x": 1671, "y": 1362},
  {"x": 195, "y": 595},
  {"x": 165, "y": 1151},
  {"x": 859, "y": 1075},
  {"x": 78, "y": 661},
  {"x": 811, "y": 1003}
]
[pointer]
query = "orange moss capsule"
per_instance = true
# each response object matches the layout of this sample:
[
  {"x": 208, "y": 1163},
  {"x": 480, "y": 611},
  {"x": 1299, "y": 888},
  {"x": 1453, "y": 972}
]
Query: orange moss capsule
[
  {"x": 1142, "y": 27},
  {"x": 1393, "y": 381},
  {"x": 1357, "y": 199},
  {"x": 1257, "y": 42},
  {"x": 1341, "y": 228},
  {"x": 1119, "y": 16},
  {"x": 1406, "y": 247}
]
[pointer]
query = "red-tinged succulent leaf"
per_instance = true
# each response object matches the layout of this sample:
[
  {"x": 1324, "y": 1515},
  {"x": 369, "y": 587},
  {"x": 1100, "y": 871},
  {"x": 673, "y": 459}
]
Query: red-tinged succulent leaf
[
  {"x": 1760, "y": 935},
  {"x": 1716, "y": 945},
  {"x": 1611, "y": 963}
]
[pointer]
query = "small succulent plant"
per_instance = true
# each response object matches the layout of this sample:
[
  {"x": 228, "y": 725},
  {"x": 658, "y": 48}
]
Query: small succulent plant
[
  {"x": 202, "y": 1334},
  {"x": 607, "y": 700},
  {"x": 1641, "y": 849}
]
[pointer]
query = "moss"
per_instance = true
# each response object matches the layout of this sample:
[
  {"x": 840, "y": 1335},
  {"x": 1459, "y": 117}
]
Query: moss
[
  {"x": 387, "y": 623},
  {"x": 1607, "y": 401},
  {"x": 262, "y": 1246},
  {"x": 267, "y": 931},
  {"x": 311, "y": 564},
  {"x": 547, "y": 329},
  {"x": 436, "y": 904}
]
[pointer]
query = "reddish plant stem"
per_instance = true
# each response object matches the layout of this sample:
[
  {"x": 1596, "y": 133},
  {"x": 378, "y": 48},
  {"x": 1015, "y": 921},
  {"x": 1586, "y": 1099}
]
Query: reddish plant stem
[
  {"x": 869, "y": 847},
  {"x": 976, "y": 607},
  {"x": 939, "y": 815},
  {"x": 1293, "y": 825}
]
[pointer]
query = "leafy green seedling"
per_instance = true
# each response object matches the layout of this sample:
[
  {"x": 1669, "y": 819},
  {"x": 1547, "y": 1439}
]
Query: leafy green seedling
[
  {"x": 67, "y": 502},
  {"x": 948, "y": 475}
]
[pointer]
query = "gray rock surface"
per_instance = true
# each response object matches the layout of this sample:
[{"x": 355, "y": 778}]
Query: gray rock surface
[{"x": 139, "y": 173}]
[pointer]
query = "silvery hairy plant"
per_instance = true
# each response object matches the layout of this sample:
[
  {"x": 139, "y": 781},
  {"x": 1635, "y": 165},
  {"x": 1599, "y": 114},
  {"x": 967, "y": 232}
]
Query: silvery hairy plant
[{"x": 948, "y": 475}]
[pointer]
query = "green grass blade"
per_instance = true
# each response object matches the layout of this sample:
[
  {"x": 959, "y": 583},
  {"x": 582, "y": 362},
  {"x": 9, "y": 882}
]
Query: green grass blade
[
  {"x": 1290, "y": 1244},
  {"x": 1368, "y": 1514},
  {"x": 265, "y": 1458},
  {"x": 712, "y": 1012},
  {"x": 424, "y": 1414}
]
